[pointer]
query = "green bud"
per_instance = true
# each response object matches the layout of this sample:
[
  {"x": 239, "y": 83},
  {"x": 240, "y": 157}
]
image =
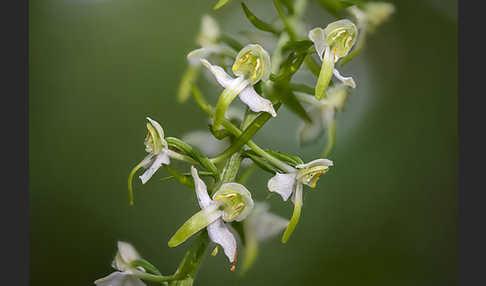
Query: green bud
[{"x": 252, "y": 61}]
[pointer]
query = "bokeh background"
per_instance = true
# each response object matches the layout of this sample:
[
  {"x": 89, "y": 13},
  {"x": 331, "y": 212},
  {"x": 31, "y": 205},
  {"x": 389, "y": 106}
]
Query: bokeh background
[{"x": 384, "y": 215}]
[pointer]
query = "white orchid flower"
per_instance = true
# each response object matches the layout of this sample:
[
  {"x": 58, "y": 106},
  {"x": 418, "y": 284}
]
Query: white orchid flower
[
  {"x": 368, "y": 18},
  {"x": 159, "y": 154},
  {"x": 232, "y": 202},
  {"x": 372, "y": 15},
  {"x": 292, "y": 184},
  {"x": 124, "y": 276},
  {"x": 331, "y": 44},
  {"x": 251, "y": 65},
  {"x": 209, "y": 41},
  {"x": 259, "y": 226},
  {"x": 322, "y": 112}
]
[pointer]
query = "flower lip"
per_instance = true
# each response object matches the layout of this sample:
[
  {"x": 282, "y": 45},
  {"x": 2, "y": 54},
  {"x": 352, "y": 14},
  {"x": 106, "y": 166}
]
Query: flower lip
[
  {"x": 252, "y": 61},
  {"x": 235, "y": 201}
]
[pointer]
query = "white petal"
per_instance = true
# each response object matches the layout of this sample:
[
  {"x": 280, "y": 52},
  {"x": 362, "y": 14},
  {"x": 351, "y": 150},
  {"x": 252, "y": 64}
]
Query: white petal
[
  {"x": 220, "y": 234},
  {"x": 127, "y": 252},
  {"x": 282, "y": 184},
  {"x": 349, "y": 81},
  {"x": 157, "y": 127},
  {"x": 201, "y": 189},
  {"x": 255, "y": 102},
  {"x": 317, "y": 162},
  {"x": 310, "y": 131},
  {"x": 160, "y": 159},
  {"x": 206, "y": 142},
  {"x": 194, "y": 57},
  {"x": 264, "y": 224},
  {"x": 209, "y": 29},
  {"x": 224, "y": 79},
  {"x": 119, "y": 279},
  {"x": 318, "y": 37}
]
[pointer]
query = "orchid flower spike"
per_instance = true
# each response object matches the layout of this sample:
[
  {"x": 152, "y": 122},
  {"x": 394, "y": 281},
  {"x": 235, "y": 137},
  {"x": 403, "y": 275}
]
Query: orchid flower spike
[
  {"x": 231, "y": 202},
  {"x": 260, "y": 225},
  {"x": 251, "y": 65},
  {"x": 331, "y": 44},
  {"x": 159, "y": 154},
  {"x": 322, "y": 112},
  {"x": 124, "y": 276},
  {"x": 292, "y": 184}
]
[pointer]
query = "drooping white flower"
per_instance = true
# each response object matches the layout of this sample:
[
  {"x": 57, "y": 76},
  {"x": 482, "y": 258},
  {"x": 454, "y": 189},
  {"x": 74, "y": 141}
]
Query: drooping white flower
[
  {"x": 159, "y": 154},
  {"x": 292, "y": 184},
  {"x": 331, "y": 44},
  {"x": 232, "y": 202},
  {"x": 251, "y": 65},
  {"x": 260, "y": 225},
  {"x": 124, "y": 276},
  {"x": 322, "y": 112}
]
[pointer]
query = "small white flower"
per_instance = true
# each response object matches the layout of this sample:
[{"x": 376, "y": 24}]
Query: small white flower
[
  {"x": 232, "y": 202},
  {"x": 125, "y": 255},
  {"x": 322, "y": 112},
  {"x": 292, "y": 184},
  {"x": 331, "y": 44},
  {"x": 251, "y": 65},
  {"x": 260, "y": 225},
  {"x": 208, "y": 39},
  {"x": 372, "y": 15}
]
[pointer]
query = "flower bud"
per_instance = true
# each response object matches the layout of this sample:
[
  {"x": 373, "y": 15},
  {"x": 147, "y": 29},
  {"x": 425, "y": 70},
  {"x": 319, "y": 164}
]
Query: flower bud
[
  {"x": 377, "y": 13},
  {"x": 340, "y": 36},
  {"x": 252, "y": 61},
  {"x": 235, "y": 201},
  {"x": 154, "y": 141}
]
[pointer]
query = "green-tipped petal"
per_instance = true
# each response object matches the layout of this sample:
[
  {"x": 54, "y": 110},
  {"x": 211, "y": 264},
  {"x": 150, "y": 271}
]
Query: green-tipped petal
[
  {"x": 295, "y": 215},
  {"x": 325, "y": 74},
  {"x": 197, "y": 222}
]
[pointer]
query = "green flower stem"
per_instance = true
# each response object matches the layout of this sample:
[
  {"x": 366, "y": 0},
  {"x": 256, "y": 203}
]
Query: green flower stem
[
  {"x": 288, "y": 26},
  {"x": 248, "y": 133},
  {"x": 331, "y": 138},
  {"x": 188, "y": 78},
  {"x": 189, "y": 266},
  {"x": 146, "y": 265},
  {"x": 302, "y": 88},
  {"x": 237, "y": 132}
]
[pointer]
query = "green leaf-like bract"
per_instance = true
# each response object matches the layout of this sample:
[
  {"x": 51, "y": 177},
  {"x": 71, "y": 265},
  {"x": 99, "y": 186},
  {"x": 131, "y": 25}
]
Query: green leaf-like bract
[{"x": 259, "y": 24}]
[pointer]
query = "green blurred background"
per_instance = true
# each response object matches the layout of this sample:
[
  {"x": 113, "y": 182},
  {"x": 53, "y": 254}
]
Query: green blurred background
[{"x": 384, "y": 215}]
